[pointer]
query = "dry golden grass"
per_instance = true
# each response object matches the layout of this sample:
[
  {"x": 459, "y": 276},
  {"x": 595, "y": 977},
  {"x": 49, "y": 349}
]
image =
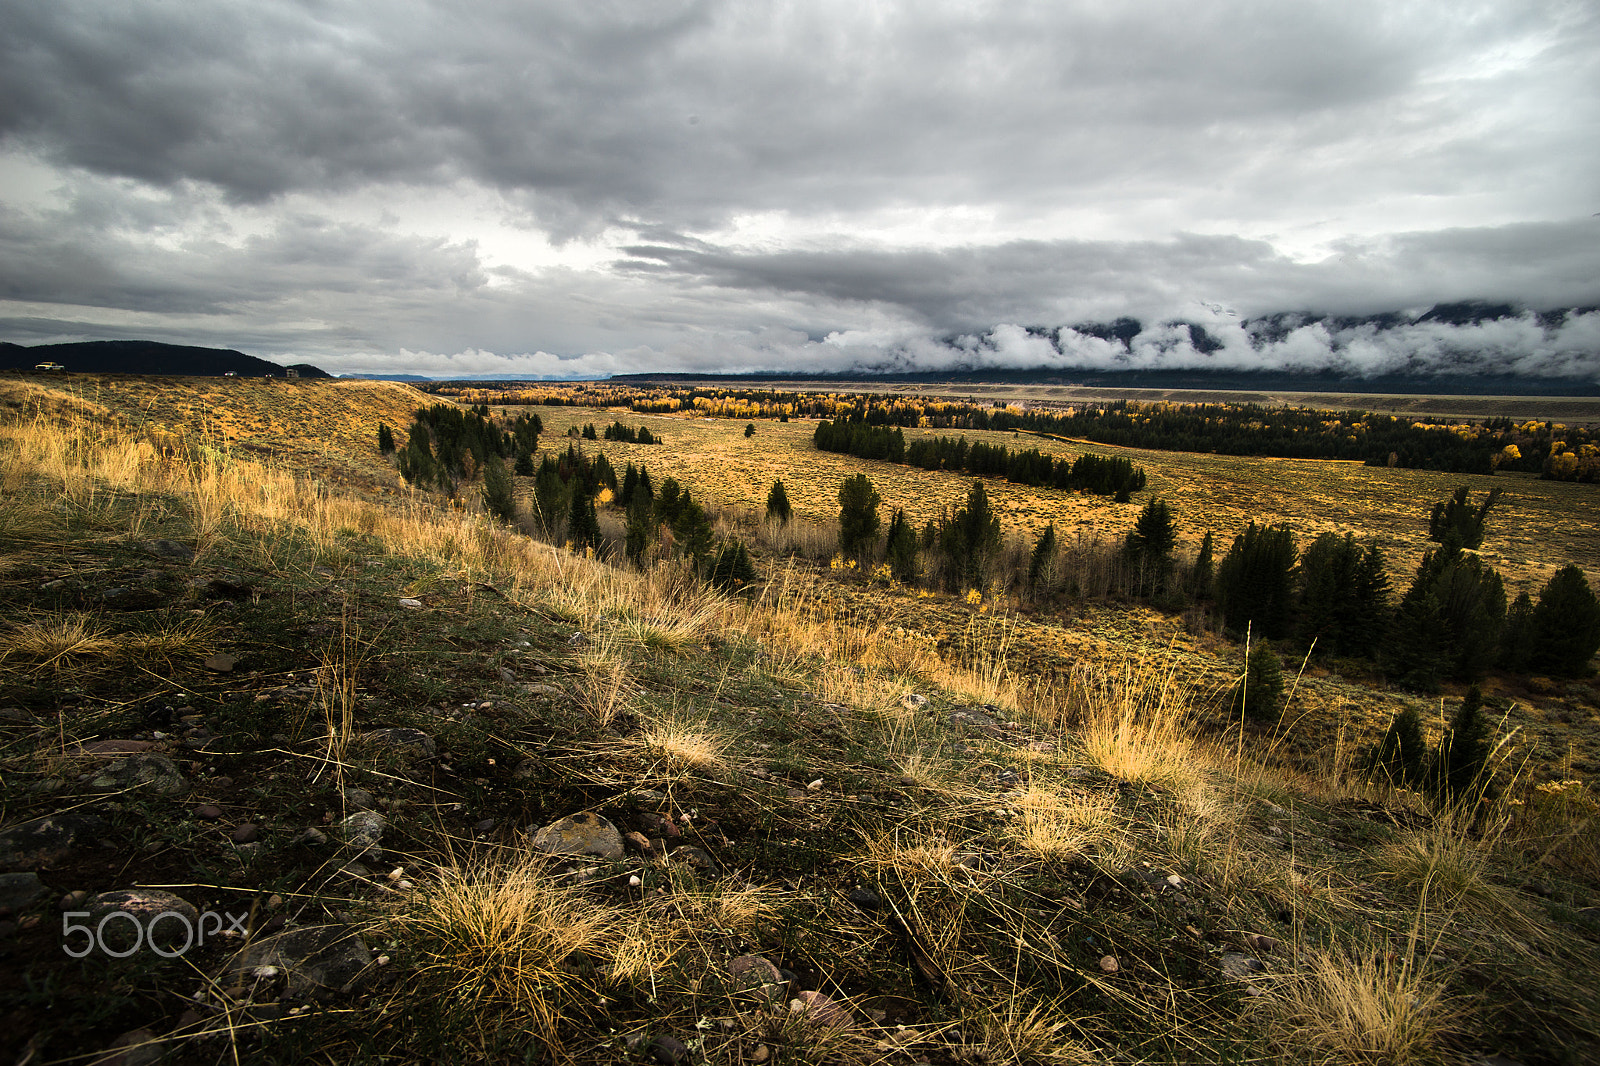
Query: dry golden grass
[
  {"x": 686, "y": 744},
  {"x": 1055, "y": 824},
  {"x": 1369, "y": 1008},
  {"x": 1135, "y": 726},
  {"x": 72, "y": 640},
  {"x": 503, "y": 940}
]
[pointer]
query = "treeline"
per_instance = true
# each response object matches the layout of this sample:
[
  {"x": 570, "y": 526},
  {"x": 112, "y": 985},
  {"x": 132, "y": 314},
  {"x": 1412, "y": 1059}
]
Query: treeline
[
  {"x": 1101, "y": 475},
  {"x": 664, "y": 522},
  {"x": 1334, "y": 598},
  {"x": 1552, "y": 450},
  {"x": 448, "y": 446}
]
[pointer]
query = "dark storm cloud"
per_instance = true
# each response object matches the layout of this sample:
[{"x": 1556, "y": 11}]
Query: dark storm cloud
[
  {"x": 820, "y": 185},
  {"x": 584, "y": 110}
]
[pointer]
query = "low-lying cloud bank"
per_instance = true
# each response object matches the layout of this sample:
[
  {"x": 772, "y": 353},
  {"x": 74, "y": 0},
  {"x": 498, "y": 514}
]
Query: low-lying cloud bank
[{"x": 1552, "y": 345}]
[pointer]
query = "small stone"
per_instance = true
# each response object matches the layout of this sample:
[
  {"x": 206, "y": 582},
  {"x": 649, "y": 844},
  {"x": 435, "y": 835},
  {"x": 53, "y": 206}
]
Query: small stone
[
  {"x": 669, "y": 1051},
  {"x": 221, "y": 663},
  {"x": 1108, "y": 964},
  {"x": 819, "y": 1010},
  {"x": 74, "y": 900},
  {"x": 140, "y": 1047},
  {"x": 247, "y": 833},
  {"x": 411, "y": 741},
  {"x": 581, "y": 834},
  {"x": 1266, "y": 945},
  {"x": 209, "y": 812},
  {"x": 410, "y": 604},
  {"x": 117, "y": 747},
  {"x": 359, "y": 799},
  {"x": 752, "y": 972},
  {"x": 696, "y": 858},
  {"x": 363, "y": 830},
  {"x": 312, "y": 836},
  {"x": 815, "y": 785},
  {"x": 41, "y": 843},
  {"x": 19, "y": 891},
  {"x": 640, "y": 843},
  {"x": 864, "y": 898},
  {"x": 761, "y": 1055},
  {"x": 485, "y": 826},
  {"x": 167, "y": 921},
  {"x": 1239, "y": 967}
]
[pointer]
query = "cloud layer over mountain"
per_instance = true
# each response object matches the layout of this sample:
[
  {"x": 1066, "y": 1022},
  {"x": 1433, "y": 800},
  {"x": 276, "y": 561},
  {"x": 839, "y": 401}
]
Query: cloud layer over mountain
[{"x": 715, "y": 185}]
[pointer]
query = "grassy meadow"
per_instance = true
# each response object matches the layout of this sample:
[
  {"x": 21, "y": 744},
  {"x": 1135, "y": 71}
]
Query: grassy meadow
[{"x": 951, "y": 832}]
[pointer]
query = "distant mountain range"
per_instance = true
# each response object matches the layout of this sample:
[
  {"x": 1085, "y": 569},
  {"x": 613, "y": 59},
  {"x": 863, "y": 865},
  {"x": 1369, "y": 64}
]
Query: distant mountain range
[
  {"x": 1471, "y": 347},
  {"x": 147, "y": 357}
]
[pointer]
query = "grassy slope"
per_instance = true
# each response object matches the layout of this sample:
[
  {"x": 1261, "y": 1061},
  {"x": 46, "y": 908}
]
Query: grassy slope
[
  {"x": 1007, "y": 865},
  {"x": 1538, "y": 527}
]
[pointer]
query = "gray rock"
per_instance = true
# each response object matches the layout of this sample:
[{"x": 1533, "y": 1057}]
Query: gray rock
[
  {"x": 695, "y": 857},
  {"x": 147, "y": 771},
  {"x": 313, "y": 961},
  {"x": 43, "y": 842},
  {"x": 20, "y": 891},
  {"x": 151, "y": 910},
  {"x": 359, "y": 799},
  {"x": 1238, "y": 966},
  {"x": 141, "y": 1047},
  {"x": 221, "y": 663},
  {"x": 669, "y": 1051},
  {"x": 581, "y": 834},
  {"x": 363, "y": 831},
  {"x": 410, "y": 741},
  {"x": 865, "y": 898},
  {"x": 168, "y": 549},
  {"x": 821, "y": 1012},
  {"x": 246, "y": 833},
  {"x": 312, "y": 837},
  {"x": 975, "y": 720},
  {"x": 752, "y": 973}
]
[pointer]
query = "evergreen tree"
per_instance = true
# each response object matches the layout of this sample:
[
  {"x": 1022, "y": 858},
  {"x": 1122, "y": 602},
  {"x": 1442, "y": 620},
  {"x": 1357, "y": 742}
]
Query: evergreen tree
[
  {"x": 385, "y": 439},
  {"x": 1464, "y": 752},
  {"x": 1460, "y": 518},
  {"x": 1261, "y": 691},
  {"x": 1201, "y": 575},
  {"x": 668, "y": 502},
  {"x": 589, "y": 433},
  {"x": 603, "y": 473},
  {"x": 1344, "y": 596},
  {"x": 778, "y": 508},
  {"x": 691, "y": 529},
  {"x": 640, "y": 529},
  {"x": 630, "y": 482},
  {"x": 732, "y": 569},
  {"x": 583, "y": 525},
  {"x": 902, "y": 548},
  {"x": 1516, "y": 637},
  {"x": 499, "y": 497},
  {"x": 1402, "y": 755},
  {"x": 1149, "y": 546},
  {"x": 1044, "y": 553},
  {"x": 749, "y": 429},
  {"x": 1254, "y": 584},
  {"x": 1448, "y": 623},
  {"x": 970, "y": 539},
  {"x": 858, "y": 516},
  {"x": 1566, "y": 625},
  {"x": 549, "y": 496},
  {"x": 524, "y": 466}
]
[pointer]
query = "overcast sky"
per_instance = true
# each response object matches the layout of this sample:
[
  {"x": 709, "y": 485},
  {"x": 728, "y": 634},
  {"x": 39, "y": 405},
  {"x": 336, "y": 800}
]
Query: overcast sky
[{"x": 578, "y": 188}]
